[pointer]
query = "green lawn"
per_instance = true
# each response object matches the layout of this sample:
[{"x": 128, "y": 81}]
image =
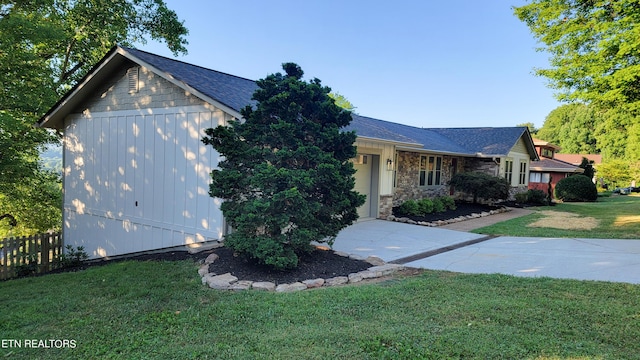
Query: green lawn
[
  {"x": 160, "y": 310},
  {"x": 618, "y": 217}
]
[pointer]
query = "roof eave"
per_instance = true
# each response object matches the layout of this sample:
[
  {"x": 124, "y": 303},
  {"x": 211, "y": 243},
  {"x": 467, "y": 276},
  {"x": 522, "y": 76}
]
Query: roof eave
[
  {"x": 430, "y": 151},
  {"x": 54, "y": 118}
]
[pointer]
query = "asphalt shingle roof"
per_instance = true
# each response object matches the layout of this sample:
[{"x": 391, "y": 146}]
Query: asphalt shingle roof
[
  {"x": 236, "y": 92},
  {"x": 232, "y": 91}
]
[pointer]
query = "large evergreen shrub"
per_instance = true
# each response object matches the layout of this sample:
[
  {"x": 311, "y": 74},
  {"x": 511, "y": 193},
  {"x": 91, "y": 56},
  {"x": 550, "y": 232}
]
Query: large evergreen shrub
[
  {"x": 286, "y": 178},
  {"x": 481, "y": 185},
  {"x": 576, "y": 188}
]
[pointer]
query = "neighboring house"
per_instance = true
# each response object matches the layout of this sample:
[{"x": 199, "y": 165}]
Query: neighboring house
[
  {"x": 136, "y": 174},
  {"x": 549, "y": 170},
  {"x": 576, "y": 159}
]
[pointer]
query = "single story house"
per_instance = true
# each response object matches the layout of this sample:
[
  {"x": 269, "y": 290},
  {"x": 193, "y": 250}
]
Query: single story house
[
  {"x": 576, "y": 159},
  {"x": 548, "y": 169},
  {"x": 136, "y": 174}
]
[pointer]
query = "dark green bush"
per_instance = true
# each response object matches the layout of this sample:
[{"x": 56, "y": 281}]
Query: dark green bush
[
  {"x": 409, "y": 207},
  {"x": 537, "y": 197},
  {"x": 425, "y": 206},
  {"x": 522, "y": 198},
  {"x": 576, "y": 188},
  {"x": 438, "y": 205},
  {"x": 448, "y": 202},
  {"x": 481, "y": 185},
  {"x": 73, "y": 257}
]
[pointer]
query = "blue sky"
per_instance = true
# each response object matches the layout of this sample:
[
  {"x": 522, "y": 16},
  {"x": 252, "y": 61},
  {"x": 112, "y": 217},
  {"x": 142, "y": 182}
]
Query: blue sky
[{"x": 454, "y": 63}]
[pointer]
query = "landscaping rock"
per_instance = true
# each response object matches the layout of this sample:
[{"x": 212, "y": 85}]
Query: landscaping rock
[
  {"x": 241, "y": 285},
  {"x": 263, "y": 285},
  {"x": 298, "y": 286},
  {"x": 314, "y": 283},
  {"x": 355, "y": 277},
  {"x": 386, "y": 269},
  {"x": 374, "y": 260},
  {"x": 203, "y": 270},
  {"x": 220, "y": 282},
  {"x": 211, "y": 258},
  {"x": 338, "y": 280}
]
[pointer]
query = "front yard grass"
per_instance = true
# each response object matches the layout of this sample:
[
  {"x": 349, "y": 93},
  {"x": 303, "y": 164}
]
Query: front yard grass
[
  {"x": 617, "y": 217},
  {"x": 160, "y": 310}
]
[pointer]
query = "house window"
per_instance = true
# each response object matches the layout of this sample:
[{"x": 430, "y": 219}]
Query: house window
[
  {"x": 536, "y": 177},
  {"x": 508, "y": 170},
  {"x": 430, "y": 170},
  {"x": 523, "y": 173},
  {"x": 547, "y": 153}
]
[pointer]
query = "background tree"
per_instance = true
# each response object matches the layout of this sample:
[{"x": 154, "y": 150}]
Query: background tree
[
  {"x": 572, "y": 127},
  {"x": 342, "y": 101},
  {"x": 618, "y": 172},
  {"x": 286, "y": 178},
  {"x": 45, "y": 47},
  {"x": 587, "y": 165},
  {"x": 594, "y": 60},
  {"x": 532, "y": 127},
  {"x": 593, "y": 47}
]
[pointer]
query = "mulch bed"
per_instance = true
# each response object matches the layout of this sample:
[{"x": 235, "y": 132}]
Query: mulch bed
[
  {"x": 462, "y": 209},
  {"x": 318, "y": 264}
]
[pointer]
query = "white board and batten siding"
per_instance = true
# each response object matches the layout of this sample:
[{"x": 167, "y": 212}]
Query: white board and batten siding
[
  {"x": 373, "y": 180},
  {"x": 138, "y": 180}
]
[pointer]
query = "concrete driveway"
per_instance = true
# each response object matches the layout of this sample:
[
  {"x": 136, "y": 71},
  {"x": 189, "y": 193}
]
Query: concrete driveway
[{"x": 451, "y": 250}]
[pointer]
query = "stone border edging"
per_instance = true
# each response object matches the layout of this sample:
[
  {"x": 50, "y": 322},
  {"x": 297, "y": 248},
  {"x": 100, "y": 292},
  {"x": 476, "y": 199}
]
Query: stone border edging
[
  {"x": 450, "y": 221},
  {"x": 230, "y": 282}
]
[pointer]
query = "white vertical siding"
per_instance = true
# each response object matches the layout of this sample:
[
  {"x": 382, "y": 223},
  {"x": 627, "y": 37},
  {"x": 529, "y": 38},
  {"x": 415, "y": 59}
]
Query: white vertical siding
[
  {"x": 139, "y": 180},
  {"x": 386, "y": 151}
]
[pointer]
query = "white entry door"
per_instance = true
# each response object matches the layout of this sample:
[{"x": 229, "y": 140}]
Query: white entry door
[{"x": 362, "y": 164}]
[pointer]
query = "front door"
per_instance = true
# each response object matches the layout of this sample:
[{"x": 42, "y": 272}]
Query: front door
[{"x": 362, "y": 164}]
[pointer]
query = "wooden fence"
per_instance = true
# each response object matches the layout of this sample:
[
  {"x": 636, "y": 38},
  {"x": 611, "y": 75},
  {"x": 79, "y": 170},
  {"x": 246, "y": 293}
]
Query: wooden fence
[{"x": 29, "y": 254}]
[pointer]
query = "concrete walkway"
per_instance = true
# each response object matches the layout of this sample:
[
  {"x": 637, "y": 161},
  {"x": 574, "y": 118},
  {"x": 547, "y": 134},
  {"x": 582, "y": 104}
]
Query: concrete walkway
[{"x": 443, "y": 248}]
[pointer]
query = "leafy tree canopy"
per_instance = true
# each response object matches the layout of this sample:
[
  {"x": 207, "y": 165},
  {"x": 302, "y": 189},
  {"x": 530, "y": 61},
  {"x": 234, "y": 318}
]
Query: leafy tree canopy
[
  {"x": 532, "y": 127},
  {"x": 286, "y": 178},
  {"x": 342, "y": 101},
  {"x": 572, "y": 127},
  {"x": 46, "y": 46},
  {"x": 594, "y": 49}
]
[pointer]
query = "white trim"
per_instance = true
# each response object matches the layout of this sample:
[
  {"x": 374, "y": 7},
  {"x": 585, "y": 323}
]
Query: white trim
[{"x": 68, "y": 97}]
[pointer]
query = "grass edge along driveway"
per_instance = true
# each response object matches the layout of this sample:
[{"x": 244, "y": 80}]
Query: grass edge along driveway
[{"x": 614, "y": 217}]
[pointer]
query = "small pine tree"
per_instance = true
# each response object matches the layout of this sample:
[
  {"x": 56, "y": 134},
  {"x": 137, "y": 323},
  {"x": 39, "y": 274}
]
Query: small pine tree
[{"x": 286, "y": 179}]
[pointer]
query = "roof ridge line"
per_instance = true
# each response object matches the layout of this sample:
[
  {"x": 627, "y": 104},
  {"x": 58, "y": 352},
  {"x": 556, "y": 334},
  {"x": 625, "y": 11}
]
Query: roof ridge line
[{"x": 186, "y": 63}]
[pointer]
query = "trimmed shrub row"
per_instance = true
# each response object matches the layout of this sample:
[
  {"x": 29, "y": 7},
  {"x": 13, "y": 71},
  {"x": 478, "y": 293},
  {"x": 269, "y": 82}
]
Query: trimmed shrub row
[{"x": 426, "y": 206}]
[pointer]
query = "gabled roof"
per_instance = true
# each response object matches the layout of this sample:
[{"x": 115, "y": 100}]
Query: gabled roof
[
  {"x": 546, "y": 144},
  {"x": 490, "y": 141},
  {"x": 553, "y": 165},
  {"x": 228, "y": 92},
  {"x": 232, "y": 93},
  {"x": 576, "y": 159}
]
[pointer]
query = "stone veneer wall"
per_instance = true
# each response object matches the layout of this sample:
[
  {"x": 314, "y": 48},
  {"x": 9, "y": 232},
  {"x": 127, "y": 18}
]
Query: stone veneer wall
[
  {"x": 408, "y": 177},
  {"x": 386, "y": 206}
]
